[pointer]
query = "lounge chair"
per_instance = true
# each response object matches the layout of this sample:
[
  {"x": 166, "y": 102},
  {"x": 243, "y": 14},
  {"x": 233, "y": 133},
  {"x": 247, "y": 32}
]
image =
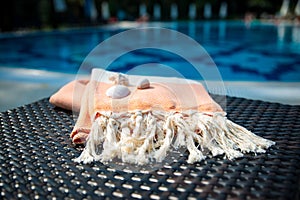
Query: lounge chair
[{"x": 36, "y": 160}]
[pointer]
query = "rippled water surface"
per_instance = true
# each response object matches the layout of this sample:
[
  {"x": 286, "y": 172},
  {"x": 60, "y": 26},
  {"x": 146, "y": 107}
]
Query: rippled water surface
[{"x": 260, "y": 52}]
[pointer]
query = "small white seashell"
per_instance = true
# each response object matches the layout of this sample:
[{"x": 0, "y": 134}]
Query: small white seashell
[
  {"x": 117, "y": 92},
  {"x": 143, "y": 84},
  {"x": 119, "y": 79}
]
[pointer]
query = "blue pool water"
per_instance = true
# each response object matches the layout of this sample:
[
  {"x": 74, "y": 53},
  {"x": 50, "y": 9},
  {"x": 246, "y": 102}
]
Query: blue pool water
[{"x": 261, "y": 52}]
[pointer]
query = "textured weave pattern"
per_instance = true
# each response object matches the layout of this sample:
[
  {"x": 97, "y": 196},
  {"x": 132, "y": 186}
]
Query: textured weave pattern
[{"x": 36, "y": 160}]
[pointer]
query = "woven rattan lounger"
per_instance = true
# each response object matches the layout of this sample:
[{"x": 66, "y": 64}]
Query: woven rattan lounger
[{"x": 36, "y": 160}]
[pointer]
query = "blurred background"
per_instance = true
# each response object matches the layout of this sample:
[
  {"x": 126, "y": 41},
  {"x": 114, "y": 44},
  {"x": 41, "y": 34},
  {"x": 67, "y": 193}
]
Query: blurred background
[
  {"x": 254, "y": 43},
  {"x": 49, "y": 14}
]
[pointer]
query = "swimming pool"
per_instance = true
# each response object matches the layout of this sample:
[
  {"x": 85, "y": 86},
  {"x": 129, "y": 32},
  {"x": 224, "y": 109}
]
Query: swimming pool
[
  {"x": 261, "y": 52},
  {"x": 258, "y": 62}
]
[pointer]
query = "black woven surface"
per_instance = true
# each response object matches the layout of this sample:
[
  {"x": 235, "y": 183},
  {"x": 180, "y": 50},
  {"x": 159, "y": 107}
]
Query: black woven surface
[{"x": 36, "y": 160}]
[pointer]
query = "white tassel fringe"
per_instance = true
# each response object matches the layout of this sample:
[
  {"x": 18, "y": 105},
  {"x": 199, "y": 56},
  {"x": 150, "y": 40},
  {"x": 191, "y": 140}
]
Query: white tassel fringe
[{"x": 143, "y": 136}]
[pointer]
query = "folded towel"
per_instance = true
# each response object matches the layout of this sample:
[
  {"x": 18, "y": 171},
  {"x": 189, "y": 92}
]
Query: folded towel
[{"x": 119, "y": 119}]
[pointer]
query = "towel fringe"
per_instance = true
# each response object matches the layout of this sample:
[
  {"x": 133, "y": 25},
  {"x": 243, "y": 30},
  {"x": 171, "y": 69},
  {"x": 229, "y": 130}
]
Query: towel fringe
[{"x": 139, "y": 137}]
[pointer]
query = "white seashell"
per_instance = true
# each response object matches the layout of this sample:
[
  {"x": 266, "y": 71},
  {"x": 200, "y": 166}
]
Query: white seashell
[
  {"x": 117, "y": 92},
  {"x": 143, "y": 84},
  {"x": 119, "y": 79}
]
